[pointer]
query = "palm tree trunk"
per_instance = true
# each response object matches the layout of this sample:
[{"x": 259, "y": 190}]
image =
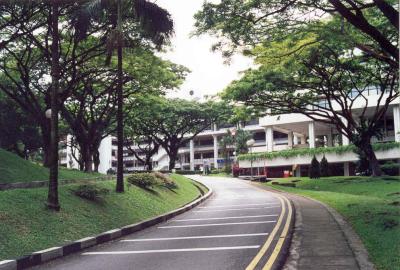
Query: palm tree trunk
[
  {"x": 120, "y": 116},
  {"x": 52, "y": 199}
]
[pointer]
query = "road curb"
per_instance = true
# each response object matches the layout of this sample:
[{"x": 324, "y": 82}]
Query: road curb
[
  {"x": 357, "y": 247},
  {"x": 39, "y": 257}
]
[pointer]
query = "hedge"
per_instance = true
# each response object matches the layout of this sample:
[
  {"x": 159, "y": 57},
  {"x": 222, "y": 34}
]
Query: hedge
[{"x": 315, "y": 151}]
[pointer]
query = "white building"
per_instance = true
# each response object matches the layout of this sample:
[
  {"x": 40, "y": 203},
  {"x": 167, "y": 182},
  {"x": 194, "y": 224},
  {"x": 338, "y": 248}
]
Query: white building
[{"x": 271, "y": 133}]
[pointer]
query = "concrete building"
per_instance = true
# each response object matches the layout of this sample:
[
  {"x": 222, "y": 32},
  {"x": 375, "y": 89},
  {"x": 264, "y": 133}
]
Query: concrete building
[{"x": 271, "y": 134}]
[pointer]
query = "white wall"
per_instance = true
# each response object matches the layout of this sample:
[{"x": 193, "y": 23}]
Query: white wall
[{"x": 105, "y": 154}]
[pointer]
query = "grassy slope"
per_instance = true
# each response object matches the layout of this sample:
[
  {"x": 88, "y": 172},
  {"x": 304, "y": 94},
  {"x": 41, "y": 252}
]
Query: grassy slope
[
  {"x": 27, "y": 226},
  {"x": 369, "y": 204},
  {"x": 15, "y": 169}
]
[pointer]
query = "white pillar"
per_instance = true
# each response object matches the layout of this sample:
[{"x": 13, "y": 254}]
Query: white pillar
[
  {"x": 346, "y": 169},
  {"x": 396, "y": 119},
  {"x": 191, "y": 155},
  {"x": 298, "y": 171},
  {"x": 303, "y": 139},
  {"x": 295, "y": 140},
  {"x": 215, "y": 127},
  {"x": 290, "y": 139},
  {"x": 311, "y": 134},
  {"x": 215, "y": 151},
  {"x": 269, "y": 139}
]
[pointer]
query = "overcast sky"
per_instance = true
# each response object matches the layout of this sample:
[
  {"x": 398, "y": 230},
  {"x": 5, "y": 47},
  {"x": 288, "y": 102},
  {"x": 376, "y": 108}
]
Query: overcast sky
[{"x": 209, "y": 73}]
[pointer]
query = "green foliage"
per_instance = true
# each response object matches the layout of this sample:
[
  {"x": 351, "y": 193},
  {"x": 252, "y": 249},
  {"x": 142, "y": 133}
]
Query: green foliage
[
  {"x": 391, "y": 168},
  {"x": 90, "y": 192},
  {"x": 315, "y": 151},
  {"x": 165, "y": 180},
  {"x": 188, "y": 172},
  {"x": 19, "y": 132},
  {"x": 324, "y": 166},
  {"x": 143, "y": 180},
  {"x": 241, "y": 138},
  {"x": 315, "y": 170}
]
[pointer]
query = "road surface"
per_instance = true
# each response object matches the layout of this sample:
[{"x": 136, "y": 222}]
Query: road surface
[{"x": 239, "y": 227}]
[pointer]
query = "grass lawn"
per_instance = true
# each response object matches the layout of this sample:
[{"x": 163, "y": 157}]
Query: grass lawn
[
  {"x": 26, "y": 225},
  {"x": 371, "y": 205},
  {"x": 16, "y": 169}
]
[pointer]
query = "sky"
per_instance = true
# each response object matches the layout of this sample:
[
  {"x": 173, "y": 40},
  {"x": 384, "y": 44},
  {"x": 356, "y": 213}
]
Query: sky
[{"x": 209, "y": 75}]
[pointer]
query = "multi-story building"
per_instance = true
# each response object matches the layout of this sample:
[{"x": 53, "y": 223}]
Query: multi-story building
[{"x": 271, "y": 133}]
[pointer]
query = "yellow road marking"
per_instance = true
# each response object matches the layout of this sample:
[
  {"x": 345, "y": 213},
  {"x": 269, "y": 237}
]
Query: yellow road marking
[
  {"x": 279, "y": 245},
  {"x": 266, "y": 245}
]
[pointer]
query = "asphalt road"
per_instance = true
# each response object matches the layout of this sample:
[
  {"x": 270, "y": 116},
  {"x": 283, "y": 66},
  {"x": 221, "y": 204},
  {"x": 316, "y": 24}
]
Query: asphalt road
[{"x": 235, "y": 229}]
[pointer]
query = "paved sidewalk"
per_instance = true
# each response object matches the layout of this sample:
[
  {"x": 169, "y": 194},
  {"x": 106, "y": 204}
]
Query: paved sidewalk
[{"x": 318, "y": 241}]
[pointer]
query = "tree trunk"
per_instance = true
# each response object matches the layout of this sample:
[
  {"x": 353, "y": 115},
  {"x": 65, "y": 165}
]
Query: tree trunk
[
  {"x": 149, "y": 163},
  {"x": 373, "y": 161},
  {"x": 120, "y": 116},
  {"x": 87, "y": 157},
  {"x": 52, "y": 199},
  {"x": 45, "y": 130},
  {"x": 96, "y": 159},
  {"x": 172, "y": 159}
]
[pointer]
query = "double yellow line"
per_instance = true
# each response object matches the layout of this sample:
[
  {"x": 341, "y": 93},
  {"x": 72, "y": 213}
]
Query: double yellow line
[{"x": 279, "y": 244}]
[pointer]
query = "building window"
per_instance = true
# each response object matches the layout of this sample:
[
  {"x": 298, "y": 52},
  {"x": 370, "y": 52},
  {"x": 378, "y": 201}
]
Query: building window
[{"x": 252, "y": 122}]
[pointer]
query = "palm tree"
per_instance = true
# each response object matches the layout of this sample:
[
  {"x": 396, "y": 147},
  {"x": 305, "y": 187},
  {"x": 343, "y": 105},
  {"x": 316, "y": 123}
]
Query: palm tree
[
  {"x": 153, "y": 24},
  {"x": 52, "y": 197}
]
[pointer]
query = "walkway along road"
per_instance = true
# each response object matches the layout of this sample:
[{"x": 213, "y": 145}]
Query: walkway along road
[{"x": 239, "y": 227}]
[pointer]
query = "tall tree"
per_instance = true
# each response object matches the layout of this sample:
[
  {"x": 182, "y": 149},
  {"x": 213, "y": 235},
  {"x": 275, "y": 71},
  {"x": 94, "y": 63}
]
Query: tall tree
[
  {"x": 245, "y": 25},
  {"x": 172, "y": 123},
  {"x": 19, "y": 131},
  {"x": 130, "y": 18},
  {"x": 325, "y": 81}
]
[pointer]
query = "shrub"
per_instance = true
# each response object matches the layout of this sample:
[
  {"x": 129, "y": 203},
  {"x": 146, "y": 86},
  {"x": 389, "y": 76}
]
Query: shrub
[
  {"x": 187, "y": 172},
  {"x": 111, "y": 171},
  {"x": 90, "y": 192},
  {"x": 391, "y": 168},
  {"x": 165, "y": 180},
  {"x": 235, "y": 170},
  {"x": 143, "y": 180},
  {"x": 315, "y": 171},
  {"x": 324, "y": 166}
]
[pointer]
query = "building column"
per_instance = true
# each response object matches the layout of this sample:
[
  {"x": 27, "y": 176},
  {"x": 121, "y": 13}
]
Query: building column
[
  {"x": 191, "y": 155},
  {"x": 298, "y": 171},
  {"x": 345, "y": 140},
  {"x": 396, "y": 119},
  {"x": 290, "y": 139},
  {"x": 269, "y": 139},
  {"x": 303, "y": 139},
  {"x": 215, "y": 128},
  {"x": 295, "y": 139},
  {"x": 215, "y": 137},
  {"x": 346, "y": 166},
  {"x": 311, "y": 134}
]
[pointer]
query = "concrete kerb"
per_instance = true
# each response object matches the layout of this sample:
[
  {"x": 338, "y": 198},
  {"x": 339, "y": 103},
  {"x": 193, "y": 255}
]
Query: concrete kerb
[
  {"x": 39, "y": 257},
  {"x": 352, "y": 238}
]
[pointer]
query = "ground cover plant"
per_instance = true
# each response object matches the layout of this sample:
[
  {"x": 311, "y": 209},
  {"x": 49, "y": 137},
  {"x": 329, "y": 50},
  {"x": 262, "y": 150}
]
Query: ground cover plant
[
  {"x": 16, "y": 169},
  {"x": 27, "y": 226},
  {"x": 370, "y": 204}
]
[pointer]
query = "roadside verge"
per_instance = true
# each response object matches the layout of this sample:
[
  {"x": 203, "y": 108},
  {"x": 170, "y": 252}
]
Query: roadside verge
[
  {"x": 322, "y": 239},
  {"x": 39, "y": 257}
]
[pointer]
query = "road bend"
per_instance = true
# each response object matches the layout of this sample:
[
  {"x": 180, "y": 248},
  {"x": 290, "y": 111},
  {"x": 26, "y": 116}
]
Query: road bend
[{"x": 239, "y": 227}]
